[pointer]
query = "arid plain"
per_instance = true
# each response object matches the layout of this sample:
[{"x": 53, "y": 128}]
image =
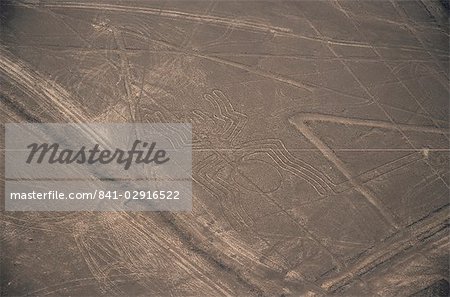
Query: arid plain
[{"x": 320, "y": 146}]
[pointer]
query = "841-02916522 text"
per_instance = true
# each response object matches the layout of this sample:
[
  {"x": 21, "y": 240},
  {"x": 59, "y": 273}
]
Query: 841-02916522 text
[{"x": 98, "y": 194}]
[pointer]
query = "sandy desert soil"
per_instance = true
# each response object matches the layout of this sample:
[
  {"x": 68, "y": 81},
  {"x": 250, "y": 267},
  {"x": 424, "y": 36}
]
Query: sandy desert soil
[{"x": 321, "y": 156}]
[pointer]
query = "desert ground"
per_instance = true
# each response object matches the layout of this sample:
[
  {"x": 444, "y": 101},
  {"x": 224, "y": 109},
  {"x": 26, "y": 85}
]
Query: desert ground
[{"x": 320, "y": 145}]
